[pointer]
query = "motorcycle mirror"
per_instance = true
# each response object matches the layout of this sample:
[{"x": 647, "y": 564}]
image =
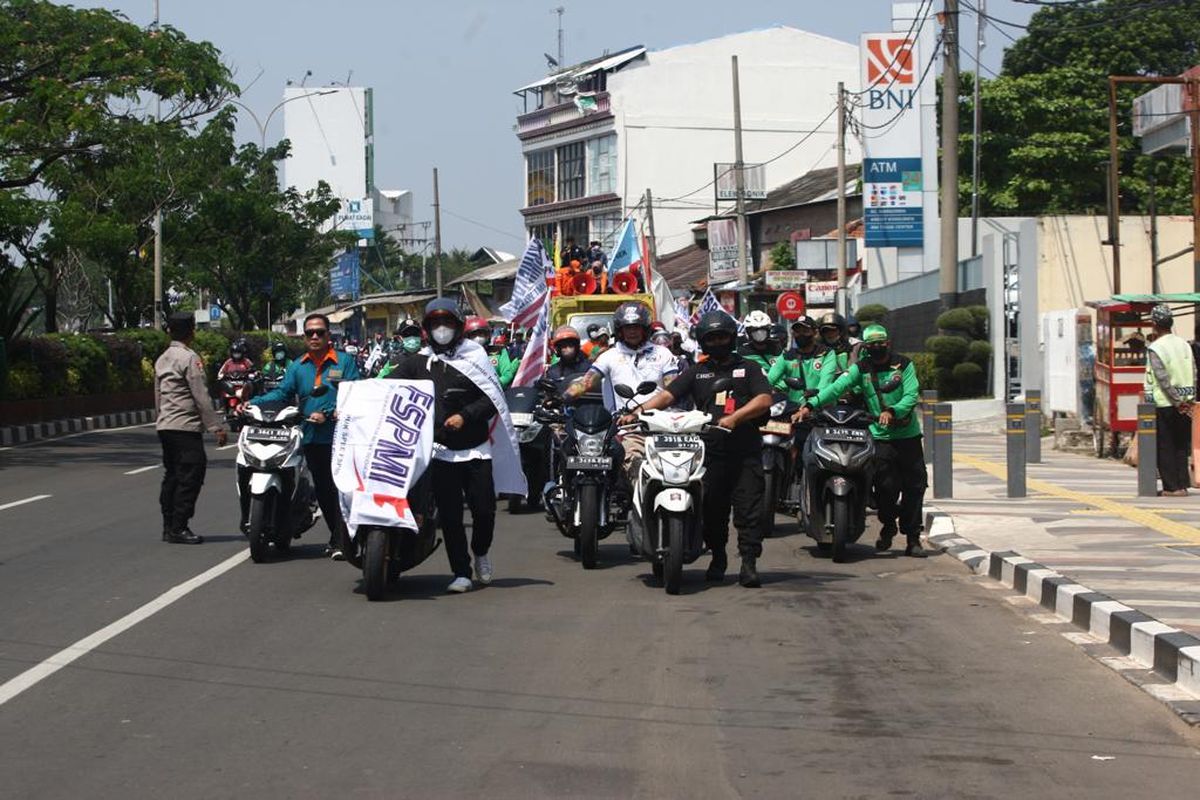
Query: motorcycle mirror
[
  {"x": 646, "y": 387},
  {"x": 320, "y": 391},
  {"x": 721, "y": 385},
  {"x": 547, "y": 385},
  {"x": 626, "y": 392}
]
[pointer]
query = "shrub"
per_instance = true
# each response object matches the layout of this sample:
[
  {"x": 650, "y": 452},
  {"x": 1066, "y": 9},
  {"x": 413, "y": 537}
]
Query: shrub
[
  {"x": 970, "y": 380},
  {"x": 48, "y": 356},
  {"x": 872, "y": 312},
  {"x": 957, "y": 321},
  {"x": 152, "y": 341},
  {"x": 213, "y": 348},
  {"x": 124, "y": 364},
  {"x": 979, "y": 352},
  {"x": 923, "y": 364},
  {"x": 947, "y": 350},
  {"x": 24, "y": 382},
  {"x": 982, "y": 317},
  {"x": 87, "y": 359}
]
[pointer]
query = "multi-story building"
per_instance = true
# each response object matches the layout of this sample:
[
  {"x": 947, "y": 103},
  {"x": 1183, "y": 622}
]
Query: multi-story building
[{"x": 597, "y": 135}]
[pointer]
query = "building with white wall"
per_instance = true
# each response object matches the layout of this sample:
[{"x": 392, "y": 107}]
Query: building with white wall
[
  {"x": 596, "y": 136},
  {"x": 330, "y": 128}
]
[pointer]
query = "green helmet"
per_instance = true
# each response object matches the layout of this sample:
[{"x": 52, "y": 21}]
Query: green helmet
[{"x": 875, "y": 334}]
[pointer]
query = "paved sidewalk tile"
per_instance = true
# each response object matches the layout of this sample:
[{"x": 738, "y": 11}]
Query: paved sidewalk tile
[{"x": 1083, "y": 519}]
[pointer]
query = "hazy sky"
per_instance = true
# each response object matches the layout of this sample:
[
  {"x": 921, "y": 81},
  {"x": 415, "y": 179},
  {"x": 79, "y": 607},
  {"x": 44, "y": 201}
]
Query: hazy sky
[{"x": 443, "y": 72}]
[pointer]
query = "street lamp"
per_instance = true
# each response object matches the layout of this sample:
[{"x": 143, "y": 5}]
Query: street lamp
[{"x": 262, "y": 125}]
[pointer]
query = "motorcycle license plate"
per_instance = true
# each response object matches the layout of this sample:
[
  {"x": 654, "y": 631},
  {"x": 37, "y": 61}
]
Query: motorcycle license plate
[
  {"x": 521, "y": 419},
  {"x": 256, "y": 434},
  {"x": 672, "y": 441},
  {"x": 854, "y": 435},
  {"x": 589, "y": 462},
  {"x": 777, "y": 426}
]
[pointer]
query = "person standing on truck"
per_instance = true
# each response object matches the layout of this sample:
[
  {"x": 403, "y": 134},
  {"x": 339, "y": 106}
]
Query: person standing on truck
[{"x": 1170, "y": 384}]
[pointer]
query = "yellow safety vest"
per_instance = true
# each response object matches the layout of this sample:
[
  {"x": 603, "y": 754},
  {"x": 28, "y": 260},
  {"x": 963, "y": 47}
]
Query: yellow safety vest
[{"x": 1176, "y": 356}]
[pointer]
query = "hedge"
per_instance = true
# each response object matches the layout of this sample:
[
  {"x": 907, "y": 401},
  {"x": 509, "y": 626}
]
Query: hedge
[
  {"x": 60, "y": 364},
  {"x": 872, "y": 312}
]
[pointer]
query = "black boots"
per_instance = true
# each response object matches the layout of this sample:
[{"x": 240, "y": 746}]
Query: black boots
[
  {"x": 914, "y": 548},
  {"x": 184, "y": 536},
  {"x": 748, "y": 577},
  {"x": 716, "y": 569},
  {"x": 884, "y": 542}
]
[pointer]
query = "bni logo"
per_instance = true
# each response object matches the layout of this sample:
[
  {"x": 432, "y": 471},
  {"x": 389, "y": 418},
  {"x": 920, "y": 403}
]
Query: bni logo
[{"x": 890, "y": 60}]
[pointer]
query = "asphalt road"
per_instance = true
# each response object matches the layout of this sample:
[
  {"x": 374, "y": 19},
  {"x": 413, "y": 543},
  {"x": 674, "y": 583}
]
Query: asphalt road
[{"x": 882, "y": 677}]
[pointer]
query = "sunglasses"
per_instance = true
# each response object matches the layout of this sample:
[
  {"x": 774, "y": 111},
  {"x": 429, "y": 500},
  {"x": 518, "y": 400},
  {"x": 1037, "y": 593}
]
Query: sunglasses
[{"x": 318, "y": 332}]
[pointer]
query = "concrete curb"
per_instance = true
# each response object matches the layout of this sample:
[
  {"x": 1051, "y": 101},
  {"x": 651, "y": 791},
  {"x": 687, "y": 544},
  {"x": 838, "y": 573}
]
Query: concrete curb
[
  {"x": 1171, "y": 654},
  {"x": 21, "y": 434}
]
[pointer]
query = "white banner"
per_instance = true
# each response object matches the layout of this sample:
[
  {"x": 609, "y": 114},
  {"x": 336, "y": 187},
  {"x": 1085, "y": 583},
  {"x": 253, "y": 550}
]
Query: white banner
[
  {"x": 821, "y": 293},
  {"x": 381, "y": 446},
  {"x": 722, "y": 250}
]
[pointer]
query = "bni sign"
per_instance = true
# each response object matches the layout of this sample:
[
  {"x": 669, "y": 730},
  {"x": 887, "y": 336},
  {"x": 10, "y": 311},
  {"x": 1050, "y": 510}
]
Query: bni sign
[{"x": 893, "y": 210}]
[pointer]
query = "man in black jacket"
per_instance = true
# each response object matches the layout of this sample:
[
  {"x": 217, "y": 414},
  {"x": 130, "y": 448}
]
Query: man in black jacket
[{"x": 462, "y": 450}]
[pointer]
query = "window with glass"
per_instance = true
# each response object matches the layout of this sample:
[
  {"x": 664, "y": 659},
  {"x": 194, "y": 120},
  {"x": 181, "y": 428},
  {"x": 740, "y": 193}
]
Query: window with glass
[
  {"x": 602, "y": 164},
  {"x": 575, "y": 228},
  {"x": 570, "y": 171},
  {"x": 544, "y": 232},
  {"x": 539, "y": 173},
  {"x": 605, "y": 228}
]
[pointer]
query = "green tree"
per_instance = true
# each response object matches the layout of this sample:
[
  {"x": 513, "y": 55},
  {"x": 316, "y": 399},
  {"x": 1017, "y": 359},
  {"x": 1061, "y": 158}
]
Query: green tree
[
  {"x": 783, "y": 256},
  {"x": 1044, "y": 140}
]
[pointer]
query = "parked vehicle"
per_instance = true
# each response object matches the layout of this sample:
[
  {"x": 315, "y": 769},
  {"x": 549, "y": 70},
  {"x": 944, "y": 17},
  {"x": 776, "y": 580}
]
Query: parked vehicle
[
  {"x": 583, "y": 500},
  {"x": 668, "y": 496},
  {"x": 283, "y": 503},
  {"x": 533, "y": 437},
  {"x": 834, "y": 496}
]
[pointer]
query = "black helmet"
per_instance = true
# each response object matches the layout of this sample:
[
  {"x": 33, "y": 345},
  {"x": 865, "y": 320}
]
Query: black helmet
[
  {"x": 631, "y": 313},
  {"x": 852, "y": 322},
  {"x": 443, "y": 307},
  {"x": 778, "y": 334},
  {"x": 279, "y": 351},
  {"x": 804, "y": 321},
  {"x": 408, "y": 327},
  {"x": 1161, "y": 316},
  {"x": 238, "y": 348},
  {"x": 715, "y": 322},
  {"x": 833, "y": 319}
]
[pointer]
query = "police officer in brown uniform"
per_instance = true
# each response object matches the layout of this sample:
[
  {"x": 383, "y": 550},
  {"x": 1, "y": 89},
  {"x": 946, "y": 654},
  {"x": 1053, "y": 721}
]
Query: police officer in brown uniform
[{"x": 185, "y": 411}]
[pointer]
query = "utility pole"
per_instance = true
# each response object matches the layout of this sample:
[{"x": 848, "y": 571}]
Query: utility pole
[
  {"x": 653, "y": 245},
  {"x": 158, "y": 242},
  {"x": 437, "y": 234},
  {"x": 1114, "y": 197},
  {"x": 948, "y": 278},
  {"x": 841, "y": 304},
  {"x": 980, "y": 21},
  {"x": 740, "y": 176},
  {"x": 1152, "y": 204},
  {"x": 561, "y": 63},
  {"x": 1193, "y": 86}
]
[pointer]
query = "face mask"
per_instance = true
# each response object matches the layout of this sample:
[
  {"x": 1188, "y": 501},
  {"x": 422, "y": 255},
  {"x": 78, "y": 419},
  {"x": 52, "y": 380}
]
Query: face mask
[
  {"x": 567, "y": 353},
  {"x": 879, "y": 355},
  {"x": 443, "y": 334},
  {"x": 805, "y": 340},
  {"x": 831, "y": 337},
  {"x": 481, "y": 340},
  {"x": 759, "y": 336},
  {"x": 411, "y": 344},
  {"x": 718, "y": 351}
]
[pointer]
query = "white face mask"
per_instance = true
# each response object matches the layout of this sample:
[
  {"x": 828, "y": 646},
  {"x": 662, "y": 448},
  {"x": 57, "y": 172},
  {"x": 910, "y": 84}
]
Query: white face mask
[
  {"x": 443, "y": 334},
  {"x": 758, "y": 335}
]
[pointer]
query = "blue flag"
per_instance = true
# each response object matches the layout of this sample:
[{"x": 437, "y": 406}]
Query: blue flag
[{"x": 627, "y": 252}]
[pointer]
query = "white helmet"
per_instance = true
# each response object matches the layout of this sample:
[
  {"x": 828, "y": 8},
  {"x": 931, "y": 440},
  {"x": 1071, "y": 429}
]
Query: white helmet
[{"x": 757, "y": 326}]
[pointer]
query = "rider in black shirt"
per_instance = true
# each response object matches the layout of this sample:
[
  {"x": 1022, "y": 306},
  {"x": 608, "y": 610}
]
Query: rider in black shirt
[{"x": 735, "y": 391}]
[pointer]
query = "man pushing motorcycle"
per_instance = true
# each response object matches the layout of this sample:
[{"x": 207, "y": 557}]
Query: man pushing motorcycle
[{"x": 888, "y": 384}]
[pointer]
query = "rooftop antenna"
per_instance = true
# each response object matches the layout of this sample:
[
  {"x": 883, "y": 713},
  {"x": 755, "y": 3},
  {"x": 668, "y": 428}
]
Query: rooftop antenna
[{"x": 559, "y": 10}]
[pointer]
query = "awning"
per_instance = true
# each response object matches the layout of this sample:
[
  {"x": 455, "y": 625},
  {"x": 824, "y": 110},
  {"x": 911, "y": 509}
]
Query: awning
[
  {"x": 611, "y": 62},
  {"x": 338, "y": 317}
]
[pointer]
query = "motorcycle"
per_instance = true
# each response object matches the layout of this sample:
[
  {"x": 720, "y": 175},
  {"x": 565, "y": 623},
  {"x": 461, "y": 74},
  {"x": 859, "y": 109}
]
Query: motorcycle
[
  {"x": 533, "y": 438},
  {"x": 233, "y": 393},
  {"x": 581, "y": 500},
  {"x": 778, "y": 463},
  {"x": 834, "y": 496},
  {"x": 272, "y": 470},
  {"x": 384, "y": 553},
  {"x": 668, "y": 495}
]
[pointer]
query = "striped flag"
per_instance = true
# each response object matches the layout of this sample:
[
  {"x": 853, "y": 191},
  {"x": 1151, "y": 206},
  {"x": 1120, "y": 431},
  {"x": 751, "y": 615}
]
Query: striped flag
[
  {"x": 529, "y": 286},
  {"x": 533, "y": 363},
  {"x": 710, "y": 303}
]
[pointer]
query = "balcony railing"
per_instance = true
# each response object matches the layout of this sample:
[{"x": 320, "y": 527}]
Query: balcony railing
[{"x": 561, "y": 114}]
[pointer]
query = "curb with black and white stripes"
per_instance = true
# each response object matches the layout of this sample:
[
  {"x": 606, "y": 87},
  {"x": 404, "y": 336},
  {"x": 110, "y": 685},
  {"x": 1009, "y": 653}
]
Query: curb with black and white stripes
[
  {"x": 1163, "y": 661},
  {"x": 20, "y": 434}
]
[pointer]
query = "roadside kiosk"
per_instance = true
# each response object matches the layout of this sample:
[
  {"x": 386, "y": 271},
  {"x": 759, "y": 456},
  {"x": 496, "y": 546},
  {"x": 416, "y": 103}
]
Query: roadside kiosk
[{"x": 1123, "y": 333}]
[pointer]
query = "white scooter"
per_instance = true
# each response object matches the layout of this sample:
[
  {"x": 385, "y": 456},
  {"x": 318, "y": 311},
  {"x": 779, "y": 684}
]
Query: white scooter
[
  {"x": 283, "y": 503},
  {"x": 665, "y": 517}
]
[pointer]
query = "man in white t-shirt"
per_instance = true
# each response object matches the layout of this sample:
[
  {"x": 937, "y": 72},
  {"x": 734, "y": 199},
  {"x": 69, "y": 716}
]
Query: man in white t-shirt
[{"x": 633, "y": 360}]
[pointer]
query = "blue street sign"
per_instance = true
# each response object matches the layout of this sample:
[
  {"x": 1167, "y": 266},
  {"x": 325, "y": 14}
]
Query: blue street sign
[
  {"x": 343, "y": 276},
  {"x": 214, "y": 313}
]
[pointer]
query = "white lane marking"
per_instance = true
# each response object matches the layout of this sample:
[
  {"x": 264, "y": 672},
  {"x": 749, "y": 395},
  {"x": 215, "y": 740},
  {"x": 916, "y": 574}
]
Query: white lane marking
[
  {"x": 16, "y": 503},
  {"x": 226, "y": 447},
  {"x": 142, "y": 469},
  {"x": 53, "y": 439},
  {"x": 34, "y": 675}
]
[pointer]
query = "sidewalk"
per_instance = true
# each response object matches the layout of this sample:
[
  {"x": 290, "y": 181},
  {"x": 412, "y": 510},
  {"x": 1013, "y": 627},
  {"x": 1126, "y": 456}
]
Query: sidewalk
[{"x": 1083, "y": 519}]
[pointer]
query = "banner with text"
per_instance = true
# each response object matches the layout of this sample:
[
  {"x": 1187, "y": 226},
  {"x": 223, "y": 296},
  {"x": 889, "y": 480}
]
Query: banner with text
[{"x": 722, "y": 250}]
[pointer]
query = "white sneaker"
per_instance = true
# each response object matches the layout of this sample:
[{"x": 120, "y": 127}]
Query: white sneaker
[
  {"x": 483, "y": 569},
  {"x": 459, "y": 585}
]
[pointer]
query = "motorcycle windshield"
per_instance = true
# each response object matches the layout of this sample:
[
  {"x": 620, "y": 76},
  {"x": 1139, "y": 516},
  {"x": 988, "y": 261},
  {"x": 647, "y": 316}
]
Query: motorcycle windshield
[
  {"x": 592, "y": 418},
  {"x": 521, "y": 399}
]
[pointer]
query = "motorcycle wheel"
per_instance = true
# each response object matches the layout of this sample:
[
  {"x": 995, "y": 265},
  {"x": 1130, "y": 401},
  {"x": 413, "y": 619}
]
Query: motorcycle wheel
[
  {"x": 770, "y": 501},
  {"x": 841, "y": 528},
  {"x": 260, "y": 513},
  {"x": 657, "y": 569},
  {"x": 589, "y": 526},
  {"x": 673, "y": 566},
  {"x": 375, "y": 564}
]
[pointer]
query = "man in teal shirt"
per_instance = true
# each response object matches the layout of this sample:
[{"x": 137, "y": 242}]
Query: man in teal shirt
[
  {"x": 889, "y": 387},
  {"x": 321, "y": 365}
]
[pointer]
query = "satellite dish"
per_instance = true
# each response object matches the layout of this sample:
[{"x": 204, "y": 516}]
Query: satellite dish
[{"x": 551, "y": 60}]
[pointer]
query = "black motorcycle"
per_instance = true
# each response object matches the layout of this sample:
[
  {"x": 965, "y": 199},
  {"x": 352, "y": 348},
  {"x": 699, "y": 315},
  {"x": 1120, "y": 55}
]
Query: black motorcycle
[
  {"x": 778, "y": 463},
  {"x": 533, "y": 438},
  {"x": 835, "y": 493}
]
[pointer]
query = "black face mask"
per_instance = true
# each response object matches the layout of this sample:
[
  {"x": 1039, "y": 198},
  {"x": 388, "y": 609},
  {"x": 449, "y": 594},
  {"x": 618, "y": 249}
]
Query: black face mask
[
  {"x": 718, "y": 352},
  {"x": 805, "y": 340},
  {"x": 879, "y": 355}
]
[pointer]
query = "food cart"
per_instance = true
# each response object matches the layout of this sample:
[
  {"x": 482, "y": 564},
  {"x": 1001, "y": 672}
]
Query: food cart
[{"x": 1123, "y": 333}]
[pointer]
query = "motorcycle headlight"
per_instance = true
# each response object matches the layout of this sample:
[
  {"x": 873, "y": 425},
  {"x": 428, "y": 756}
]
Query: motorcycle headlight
[
  {"x": 777, "y": 408},
  {"x": 674, "y": 465},
  {"x": 529, "y": 433},
  {"x": 590, "y": 444}
]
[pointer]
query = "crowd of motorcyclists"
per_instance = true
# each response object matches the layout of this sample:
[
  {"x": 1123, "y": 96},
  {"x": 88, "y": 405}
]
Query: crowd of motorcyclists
[{"x": 720, "y": 383}]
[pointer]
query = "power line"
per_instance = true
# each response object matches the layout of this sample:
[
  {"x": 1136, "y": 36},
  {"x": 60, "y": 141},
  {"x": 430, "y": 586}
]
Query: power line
[
  {"x": 916, "y": 89},
  {"x": 922, "y": 15},
  {"x": 483, "y": 225}
]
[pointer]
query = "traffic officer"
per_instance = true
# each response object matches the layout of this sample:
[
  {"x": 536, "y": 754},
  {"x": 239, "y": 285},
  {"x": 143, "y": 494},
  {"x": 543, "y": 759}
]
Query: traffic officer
[
  {"x": 321, "y": 365},
  {"x": 185, "y": 410},
  {"x": 733, "y": 474},
  {"x": 1170, "y": 384},
  {"x": 889, "y": 386}
]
